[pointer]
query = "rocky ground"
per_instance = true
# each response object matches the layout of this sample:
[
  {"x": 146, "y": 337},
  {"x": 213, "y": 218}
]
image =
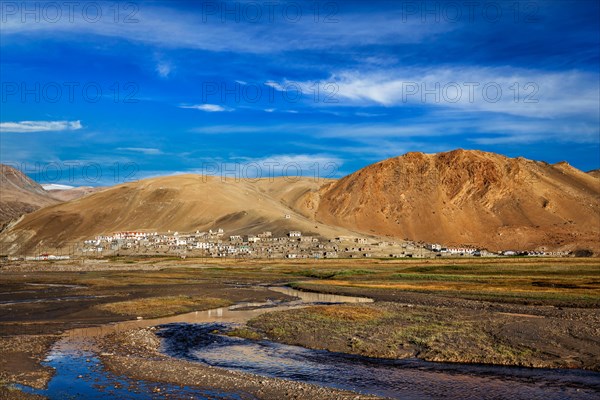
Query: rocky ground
[
  {"x": 21, "y": 357},
  {"x": 9, "y": 393}
]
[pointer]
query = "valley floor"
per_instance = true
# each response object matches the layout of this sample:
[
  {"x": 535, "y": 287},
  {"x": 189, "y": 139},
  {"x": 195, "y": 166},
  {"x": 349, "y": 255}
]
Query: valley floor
[{"x": 528, "y": 312}]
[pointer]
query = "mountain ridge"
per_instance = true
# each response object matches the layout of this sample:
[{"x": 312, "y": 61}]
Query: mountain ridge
[
  {"x": 458, "y": 197},
  {"x": 461, "y": 197}
]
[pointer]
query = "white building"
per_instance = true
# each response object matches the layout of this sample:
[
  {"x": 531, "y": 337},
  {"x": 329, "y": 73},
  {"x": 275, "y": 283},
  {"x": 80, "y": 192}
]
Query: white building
[
  {"x": 253, "y": 239},
  {"x": 433, "y": 246}
]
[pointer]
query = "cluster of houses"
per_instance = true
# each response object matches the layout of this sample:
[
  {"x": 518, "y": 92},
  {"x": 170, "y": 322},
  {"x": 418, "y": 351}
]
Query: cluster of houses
[
  {"x": 213, "y": 244},
  {"x": 467, "y": 251},
  {"x": 292, "y": 245}
]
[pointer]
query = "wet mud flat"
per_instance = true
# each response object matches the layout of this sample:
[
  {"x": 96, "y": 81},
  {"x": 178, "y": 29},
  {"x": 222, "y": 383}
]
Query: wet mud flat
[
  {"x": 38, "y": 304},
  {"x": 125, "y": 360}
]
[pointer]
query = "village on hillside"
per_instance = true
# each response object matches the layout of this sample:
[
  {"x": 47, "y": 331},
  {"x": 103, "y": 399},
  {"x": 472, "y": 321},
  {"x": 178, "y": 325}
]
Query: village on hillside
[{"x": 294, "y": 245}]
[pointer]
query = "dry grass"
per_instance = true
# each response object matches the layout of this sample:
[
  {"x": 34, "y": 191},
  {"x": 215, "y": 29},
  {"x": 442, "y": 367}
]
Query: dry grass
[
  {"x": 245, "y": 333},
  {"x": 447, "y": 334},
  {"x": 347, "y": 313},
  {"x": 568, "y": 280},
  {"x": 163, "y": 306}
]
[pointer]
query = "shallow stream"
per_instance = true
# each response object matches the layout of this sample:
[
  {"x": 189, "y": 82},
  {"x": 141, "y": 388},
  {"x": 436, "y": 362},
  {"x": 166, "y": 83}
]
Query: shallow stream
[{"x": 79, "y": 373}]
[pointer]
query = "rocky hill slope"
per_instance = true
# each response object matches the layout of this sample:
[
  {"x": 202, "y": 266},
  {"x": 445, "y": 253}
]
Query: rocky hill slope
[
  {"x": 184, "y": 203},
  {"x": 19, "y": 195},
  {"x": 468, "y": 198}
]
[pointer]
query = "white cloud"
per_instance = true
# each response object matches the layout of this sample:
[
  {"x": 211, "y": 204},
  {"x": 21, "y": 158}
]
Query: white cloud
[
  {"x": 507, "y": 90},
  {"x": 481, "y": 130},
  {"x": 167, "y": 27},
  {"x": 270, "y": 110},
  {"x": 143, "y": 150},
  {"x": 369, "y": 115},
  {"x": 225, "y": 129},
  {"x": 318, "y": 166},
  {"x": 208, "y": 107},
  {"x": 40, "y": 126},
  {"x": 290, "y": 166},
  {"x": 275, "y": 85},
  {"x": 163, "y": 69}
]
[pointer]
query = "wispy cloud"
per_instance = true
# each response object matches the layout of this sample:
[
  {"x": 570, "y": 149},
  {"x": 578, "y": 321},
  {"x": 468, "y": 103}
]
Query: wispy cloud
[
  {"x": 39, "y": 126},
  {"x": 163, "y": 69},
  {"x": 143, "y": 150},
  {"x": 232, "y": 129},
  {"x": 168, "y": 28},
  {"x": 369, "y": 115},
  {"x": 272, "y": 110},
  {"x": 514, "y": 91},
  {"x": 317, "y": 166},
  {"x": 208, "y": 107}
]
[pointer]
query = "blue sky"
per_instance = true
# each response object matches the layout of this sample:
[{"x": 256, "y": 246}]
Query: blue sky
[{"x": 99, "y": 93}]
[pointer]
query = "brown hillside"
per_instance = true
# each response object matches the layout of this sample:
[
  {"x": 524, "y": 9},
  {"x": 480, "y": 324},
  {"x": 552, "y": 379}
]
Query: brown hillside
[
  {"x": 74, "y": 193},
  {"x": 455, "y": 198},
  {"x": 469, "y": 197},
  {"x": 178, "y": 203},
  {"x": 19, "y": 195}
]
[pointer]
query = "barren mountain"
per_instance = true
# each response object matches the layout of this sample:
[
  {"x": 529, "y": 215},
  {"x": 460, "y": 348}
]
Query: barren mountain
[
  {"x": 455, "y": 198},
  {"x": 469, "y": 198},
  {"x": 19, "y": 195},
  {"x": 595, "y": 173},
  {"x": 178, "y": 203},
  {"x": 73, "y": 193}
]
